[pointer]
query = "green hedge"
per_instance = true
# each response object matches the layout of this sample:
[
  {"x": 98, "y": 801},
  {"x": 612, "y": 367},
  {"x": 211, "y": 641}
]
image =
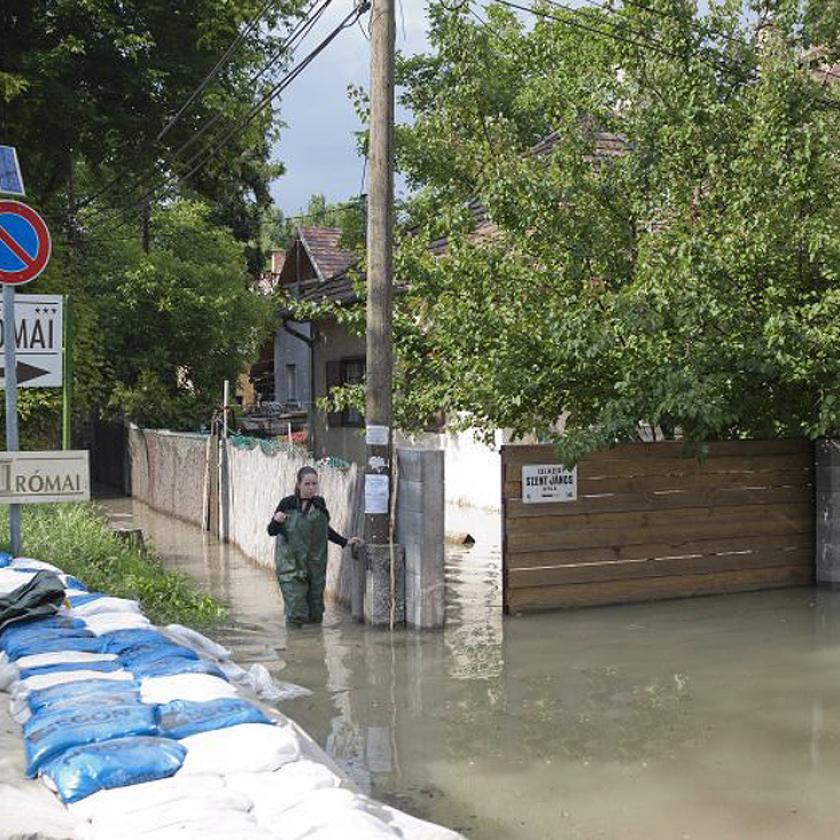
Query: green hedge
[{"x": 80, "y": 542}]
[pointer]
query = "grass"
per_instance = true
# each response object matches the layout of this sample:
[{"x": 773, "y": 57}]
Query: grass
[{"x": 80, "y": 542}]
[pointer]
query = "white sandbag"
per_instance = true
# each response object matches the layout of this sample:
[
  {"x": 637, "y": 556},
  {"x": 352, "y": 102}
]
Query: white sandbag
[
  {"x": 412, "y": 828},
  {"x": 273, "y": 793},
  {"x": 356, "y": 824},
  {"x": 197, "y": 687},
  {"x": 104, "y": 604},
  {"x": 19, "y": 709},
  {"x": 215, "y": 826},
  {"x": 114, "y": 803},
  {"x": 10, "y": 579},
  {"x": 61, "y": 657},
  {"x": 9, "y": 673},
  {"x": 196, "y": 641},
  {"x": 259, "y": 681},
  {"x": 29, "y": 810},
  {"x": 318, "y": 810},
  {"x": 38, "y": 681},
  {"x": 32, "y": 563},
  {"x": 110, "y": 621},
  {"x": 246, "y": 748},
  {"x": 215, "y": 806}
]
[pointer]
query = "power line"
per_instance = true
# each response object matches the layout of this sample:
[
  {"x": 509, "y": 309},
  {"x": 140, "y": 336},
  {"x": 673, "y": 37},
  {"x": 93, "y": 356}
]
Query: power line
[
  {"x": 202, "y": 156},
  {"x": 299, "y": 31}
]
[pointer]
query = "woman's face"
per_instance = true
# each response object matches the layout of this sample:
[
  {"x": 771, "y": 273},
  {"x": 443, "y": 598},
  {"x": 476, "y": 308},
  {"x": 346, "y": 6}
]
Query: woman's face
[{"x": 308, "y": 486}]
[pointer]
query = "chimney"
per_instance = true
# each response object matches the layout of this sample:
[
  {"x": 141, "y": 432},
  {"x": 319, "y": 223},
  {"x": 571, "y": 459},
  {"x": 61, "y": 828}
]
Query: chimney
[{"x": 278, "y": 257}]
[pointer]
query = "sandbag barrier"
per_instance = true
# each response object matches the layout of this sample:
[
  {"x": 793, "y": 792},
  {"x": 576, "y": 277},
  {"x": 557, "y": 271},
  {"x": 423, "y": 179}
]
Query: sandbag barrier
[{"x": 147, "y": 732}]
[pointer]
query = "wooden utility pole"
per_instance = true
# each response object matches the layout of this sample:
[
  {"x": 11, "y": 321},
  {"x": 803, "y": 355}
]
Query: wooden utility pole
[{"x": 380, "y": 239}]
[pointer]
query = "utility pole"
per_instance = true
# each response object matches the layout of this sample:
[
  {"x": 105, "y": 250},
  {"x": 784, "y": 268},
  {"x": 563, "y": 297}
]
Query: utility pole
[
  {"x": 384, "y": 602},
  {"x": 380, "y": 242}
]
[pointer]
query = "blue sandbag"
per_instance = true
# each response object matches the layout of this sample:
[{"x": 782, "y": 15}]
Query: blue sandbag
[
  {"x": 57, "y": 640},
  {"x": 52, "y": 732},
  {"x": 118, "y": 641},
  {"x": 72, "y": 582},
  {"x": 175, "y": 665},
  {"x": 182, "y": 718},
  {"x": 43, "y": 698},
  {"x": 85, "y": 644},
  {"x": 38, "y": 625},
  {"x": 153, "y": 651},
  {"x": 111, "y": 665},
  {"x": 84, "y": 770},
  {"x": 5, "y": 559},
  {"x": 96, "y": 699},
  {"x": 78, "y": 600}
]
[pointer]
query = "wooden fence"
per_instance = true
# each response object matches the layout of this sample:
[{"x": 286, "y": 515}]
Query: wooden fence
[{"x": 649, "y": 523}]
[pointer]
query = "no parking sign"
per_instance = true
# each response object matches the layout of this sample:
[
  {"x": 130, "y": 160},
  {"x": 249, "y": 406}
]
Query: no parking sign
[{"x": 24, "y": 243}]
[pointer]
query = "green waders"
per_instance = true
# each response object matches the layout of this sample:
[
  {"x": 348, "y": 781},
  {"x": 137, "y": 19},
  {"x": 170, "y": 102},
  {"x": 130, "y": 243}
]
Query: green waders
[{"x": 300, "y": 560}]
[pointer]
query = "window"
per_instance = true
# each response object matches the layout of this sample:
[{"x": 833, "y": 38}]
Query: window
[
  {"x": 291, "y": 384},
  {"x": 349, "y": 371}
]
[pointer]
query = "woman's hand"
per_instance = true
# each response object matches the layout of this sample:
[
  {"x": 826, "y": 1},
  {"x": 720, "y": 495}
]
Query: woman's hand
[
  {"x": 279, "y": 517},
  {"x": 355, "y": 541}
]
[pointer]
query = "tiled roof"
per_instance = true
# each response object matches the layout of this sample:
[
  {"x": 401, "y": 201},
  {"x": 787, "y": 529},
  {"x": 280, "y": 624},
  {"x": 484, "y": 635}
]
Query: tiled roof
[
  {"x": 338, "y": 289},
  {"x": 322, "y": 245}
]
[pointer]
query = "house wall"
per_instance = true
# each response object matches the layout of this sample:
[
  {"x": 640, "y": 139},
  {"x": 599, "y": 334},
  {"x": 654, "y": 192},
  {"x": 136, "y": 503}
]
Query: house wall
[
  {"x": 289, "y": 350},
  {"x": 333, "y": 342}
]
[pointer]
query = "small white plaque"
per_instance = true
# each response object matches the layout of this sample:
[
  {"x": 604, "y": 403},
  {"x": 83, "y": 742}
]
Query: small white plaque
[
  {"x": 376, "y": 493},
  {"x": 549, "y": 483},
  {"x": 377, "y": 435}
]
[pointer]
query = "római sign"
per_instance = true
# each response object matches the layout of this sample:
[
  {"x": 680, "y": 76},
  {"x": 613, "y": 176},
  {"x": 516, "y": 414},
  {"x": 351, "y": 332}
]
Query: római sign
[
  {"x": 33, "y": 477},
  {"x": 548, "y": 483}
]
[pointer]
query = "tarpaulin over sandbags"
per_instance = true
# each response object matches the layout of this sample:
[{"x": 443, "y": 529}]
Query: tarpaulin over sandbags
[{"x": 38, "y": 596}]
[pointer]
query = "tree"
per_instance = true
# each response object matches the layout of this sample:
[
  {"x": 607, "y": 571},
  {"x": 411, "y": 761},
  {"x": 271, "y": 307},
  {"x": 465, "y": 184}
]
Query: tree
[{"x": 683, "y": 274}]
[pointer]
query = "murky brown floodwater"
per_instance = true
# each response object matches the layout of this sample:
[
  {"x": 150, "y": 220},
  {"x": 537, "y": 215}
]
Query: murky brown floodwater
[{"x": 708, "y": 718}]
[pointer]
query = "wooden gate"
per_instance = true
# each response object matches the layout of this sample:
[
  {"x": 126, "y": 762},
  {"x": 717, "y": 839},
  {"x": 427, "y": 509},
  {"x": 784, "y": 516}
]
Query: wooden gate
[{"x": 649, "y": 523}]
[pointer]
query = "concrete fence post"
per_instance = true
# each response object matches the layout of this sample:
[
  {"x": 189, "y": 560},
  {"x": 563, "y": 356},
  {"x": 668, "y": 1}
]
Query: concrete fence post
[{"x": 827, "y": 472}]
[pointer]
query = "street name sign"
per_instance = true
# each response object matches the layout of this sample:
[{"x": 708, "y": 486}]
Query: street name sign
[
  {"x": 40, "y": 477},
  {"x": 38, "y": 340},
  {"x": 25, "y": 243},
  {"x": 548, "y": 483}
]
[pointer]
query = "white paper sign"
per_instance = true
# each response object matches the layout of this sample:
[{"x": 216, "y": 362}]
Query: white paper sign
[
  {"x": 31, "y": 477},
  {"x": 39, "y": 321},
  {"x": 548, "y": 483},
  {"x": 377, "y": 435},
  {"x": 376, "y": 494}
]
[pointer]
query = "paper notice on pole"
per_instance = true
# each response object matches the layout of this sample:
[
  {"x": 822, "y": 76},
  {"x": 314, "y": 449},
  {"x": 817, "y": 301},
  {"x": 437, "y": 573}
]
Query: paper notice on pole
[
  {"x": 377, "y": 435},
  {"x": 376, "y": 494}
]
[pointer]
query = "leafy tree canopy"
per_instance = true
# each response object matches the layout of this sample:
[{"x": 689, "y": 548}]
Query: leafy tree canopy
[{"x": 671, "y": 259}]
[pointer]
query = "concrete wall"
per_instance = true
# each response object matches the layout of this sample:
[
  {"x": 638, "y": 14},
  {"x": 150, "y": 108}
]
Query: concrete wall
[
  {"x": 333, "y": 343},
  {"x": 167, "y": 473},
  {"x": 827, "y": 475}
]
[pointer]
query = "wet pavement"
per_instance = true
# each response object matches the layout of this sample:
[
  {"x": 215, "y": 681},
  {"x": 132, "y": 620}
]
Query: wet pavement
[{"x": 707, "y": 718}]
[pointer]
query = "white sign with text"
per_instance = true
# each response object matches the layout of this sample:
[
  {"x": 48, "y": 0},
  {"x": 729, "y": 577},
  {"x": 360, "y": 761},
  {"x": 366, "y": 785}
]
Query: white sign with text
[
  {"x": 36, "y": 477},
  {"x": 549, "y": 483},
  {"x": 38, "y": 340}
]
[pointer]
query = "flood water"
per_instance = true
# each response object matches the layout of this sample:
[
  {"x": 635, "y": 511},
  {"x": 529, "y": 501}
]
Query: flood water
[{"x": 707, "y": 718}]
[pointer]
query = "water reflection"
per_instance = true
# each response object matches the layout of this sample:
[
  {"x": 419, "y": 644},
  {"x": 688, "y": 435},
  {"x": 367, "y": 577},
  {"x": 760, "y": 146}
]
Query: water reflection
[{"x": 708, "y": 718}]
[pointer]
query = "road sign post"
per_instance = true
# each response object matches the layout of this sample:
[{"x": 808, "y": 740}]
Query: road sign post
[
  {"x": 25, "y": 248},
  {"x": 67, "y": 394}
]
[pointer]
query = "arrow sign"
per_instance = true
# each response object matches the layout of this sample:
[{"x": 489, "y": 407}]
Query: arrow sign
[
  {"x": 38, "y": 341},
  {"x": 25, "y": 372}
]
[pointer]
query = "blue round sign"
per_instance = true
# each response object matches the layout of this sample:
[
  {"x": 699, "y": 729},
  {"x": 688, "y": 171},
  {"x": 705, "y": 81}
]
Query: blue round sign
[{"x": 24, "y": 243}]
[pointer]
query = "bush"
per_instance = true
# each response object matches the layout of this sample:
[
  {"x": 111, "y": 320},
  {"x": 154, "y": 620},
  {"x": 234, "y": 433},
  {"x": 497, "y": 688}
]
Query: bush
[{"x": 77, "y": 540}]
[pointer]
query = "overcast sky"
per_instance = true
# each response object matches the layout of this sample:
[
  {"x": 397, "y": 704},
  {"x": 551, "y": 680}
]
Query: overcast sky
[{"x": 318, "y": 146}]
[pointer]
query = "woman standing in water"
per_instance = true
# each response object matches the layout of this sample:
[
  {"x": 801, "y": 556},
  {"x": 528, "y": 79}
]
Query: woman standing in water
[{"x": 301, "y": 524}]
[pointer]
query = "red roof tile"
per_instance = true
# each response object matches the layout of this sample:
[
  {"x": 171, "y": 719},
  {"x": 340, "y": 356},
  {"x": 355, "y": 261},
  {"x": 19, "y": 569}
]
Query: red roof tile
[{"x": 322, "y": 245}]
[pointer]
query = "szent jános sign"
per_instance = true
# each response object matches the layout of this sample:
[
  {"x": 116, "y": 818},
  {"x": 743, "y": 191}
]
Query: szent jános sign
[
  {"x": 548, "y": 483},
  {"x": 31, "y": 477}
]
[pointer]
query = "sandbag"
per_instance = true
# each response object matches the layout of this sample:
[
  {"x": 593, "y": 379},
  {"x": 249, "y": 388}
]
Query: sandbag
[
  {"x": 117, "y": 803},
  {"x": 95, "y": 603},
  {"x": 5, "y": 559},
  {"x": 33, "y": 564},
  {"x": 198, "y": 687},
  {"x": 248, "y": 747},
  {"x": 152, "y": 651},
  {"x": 84, "y": 770},
  {"x": 275, "y": 792},
  {"x": 54, "y": 731},
  {"x": 30, "y": 647},
  {"x": 174, "y": 665},
  {"x": 413, "y": 828},
  {"x": 356, "y": 824},
  {"x": 38, "y": 660},
  {"x": 259, "y": 681},
  {"x": 120, "y": 641},
  {"x": 96, "y": 665},
  {"x": 59, "y": 677},
  {"x": 197, "y": 641},
  {"x": 321, "y": 809},
  {"x": 108, "y": 622},
  {"x": 182, "y": 718},
  {"x": 47, "y": 697}
]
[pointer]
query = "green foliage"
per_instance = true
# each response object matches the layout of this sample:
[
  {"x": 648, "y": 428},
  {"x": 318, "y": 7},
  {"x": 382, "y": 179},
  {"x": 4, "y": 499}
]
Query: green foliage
[
  {"x": 690, "y": 282},
  {"x": 77, "y": 540}
]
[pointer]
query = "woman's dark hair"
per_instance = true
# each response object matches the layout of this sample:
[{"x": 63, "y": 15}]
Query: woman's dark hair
[{"x": 301, "y": 473}]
